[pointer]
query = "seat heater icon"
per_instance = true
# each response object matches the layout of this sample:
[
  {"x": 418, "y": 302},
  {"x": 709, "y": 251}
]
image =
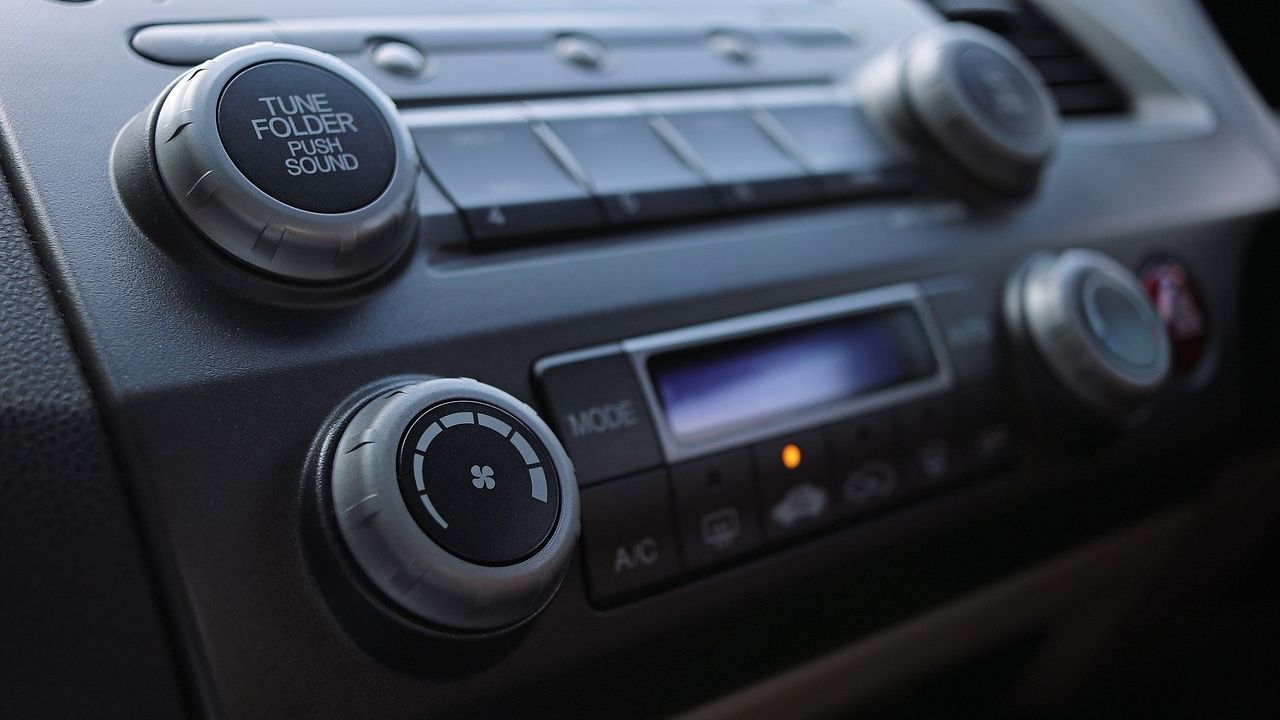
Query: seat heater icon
[{"x": 482, "y": 477}]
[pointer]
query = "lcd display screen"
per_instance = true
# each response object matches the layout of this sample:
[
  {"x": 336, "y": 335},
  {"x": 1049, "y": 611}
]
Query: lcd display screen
[{"x": 709, "y": 390}]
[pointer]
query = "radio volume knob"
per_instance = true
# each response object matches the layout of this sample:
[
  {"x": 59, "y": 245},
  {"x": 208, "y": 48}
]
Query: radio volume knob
[
  {"x": 1092, "y": 324},
  {"x": 964, "y": 95},
  {"x": 288, "y": 160},
  {"x": 457, "y": 502}
]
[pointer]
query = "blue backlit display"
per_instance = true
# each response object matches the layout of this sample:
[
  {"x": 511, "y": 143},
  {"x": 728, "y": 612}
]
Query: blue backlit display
[{"x": 708, "y": 390}]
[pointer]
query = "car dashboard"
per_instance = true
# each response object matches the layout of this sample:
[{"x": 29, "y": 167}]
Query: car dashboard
[{"x": 571, "y": 358}]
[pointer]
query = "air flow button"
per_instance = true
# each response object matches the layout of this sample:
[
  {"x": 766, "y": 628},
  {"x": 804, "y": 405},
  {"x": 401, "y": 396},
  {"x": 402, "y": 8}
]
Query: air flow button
[
  {"x": 503, "y": 178},
  {"x": 601, "y": 413},
  {"x": 839, "y": 149}
]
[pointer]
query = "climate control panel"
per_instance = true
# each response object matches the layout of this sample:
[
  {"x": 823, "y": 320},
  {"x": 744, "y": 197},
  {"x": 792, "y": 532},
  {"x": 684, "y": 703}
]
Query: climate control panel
[{"x": 703, "y": 446}]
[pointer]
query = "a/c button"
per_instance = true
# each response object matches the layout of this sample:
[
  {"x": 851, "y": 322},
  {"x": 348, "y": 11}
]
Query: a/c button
[{"x": 628, "y": 537}]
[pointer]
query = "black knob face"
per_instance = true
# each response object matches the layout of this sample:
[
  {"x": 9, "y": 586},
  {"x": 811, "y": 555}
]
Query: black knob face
[
  {"x": 457, "y": 502},
  {"x": 306, "y": 137},
  {"x": 479, "y": 482}
]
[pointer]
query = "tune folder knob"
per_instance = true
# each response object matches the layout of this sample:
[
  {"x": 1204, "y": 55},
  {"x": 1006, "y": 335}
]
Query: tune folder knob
[{"x": 288, "y": 160}]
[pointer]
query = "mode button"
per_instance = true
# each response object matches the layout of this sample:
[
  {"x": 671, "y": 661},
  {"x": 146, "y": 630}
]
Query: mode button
[{"x": 599, "y": 412}]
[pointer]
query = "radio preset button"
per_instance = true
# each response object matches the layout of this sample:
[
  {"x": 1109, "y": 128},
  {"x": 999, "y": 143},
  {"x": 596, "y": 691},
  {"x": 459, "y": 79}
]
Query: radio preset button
[
  {"x": 864, "y": 459},
  {"x": 600, "y": 413},
  {"x": 794, "y": 477},
  {"x": 837, "y": 147},
  {"x": 646, "y": 182},
  {"x": 628, "y": 536},
  {"x": 743, "y": 164},
  {"x": 189, "y": 44},
  {"x": 504, "y": 180},
  {"x": 716, "y": 508}
]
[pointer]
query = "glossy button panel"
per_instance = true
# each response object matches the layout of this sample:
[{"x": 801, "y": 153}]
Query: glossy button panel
[
  {"x": 504, "y": 179},
  {"x": 745, "y": 166},
  {"x": 716, "y": 508},
  {"x": 794, "y": 476},
  {"x": 637, "y": 177},
  {"x": 838, "y": 148},
  {"x": 628, "y": 537}
]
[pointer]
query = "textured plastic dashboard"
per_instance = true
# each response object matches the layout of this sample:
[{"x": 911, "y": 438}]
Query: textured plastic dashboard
[
  {"x": 81, "y": 602},
  {"x": 214, "y": 397}
]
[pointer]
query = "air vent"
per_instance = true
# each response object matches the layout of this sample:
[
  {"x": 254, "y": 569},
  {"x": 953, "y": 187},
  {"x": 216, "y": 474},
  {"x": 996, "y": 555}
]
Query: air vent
[{"x": 1079, "y": 85}]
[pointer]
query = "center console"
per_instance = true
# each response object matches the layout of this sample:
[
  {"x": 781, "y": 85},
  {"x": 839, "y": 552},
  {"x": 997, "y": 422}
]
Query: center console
[{"x": 491, "y": 358}]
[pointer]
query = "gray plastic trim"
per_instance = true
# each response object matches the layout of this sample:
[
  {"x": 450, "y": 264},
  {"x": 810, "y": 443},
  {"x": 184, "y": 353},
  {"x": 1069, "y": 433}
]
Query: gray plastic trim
[
  {"x": 905, "y": 295},
  {"x": 251, "y": 225},
  {"x": 398, "y": 557}
]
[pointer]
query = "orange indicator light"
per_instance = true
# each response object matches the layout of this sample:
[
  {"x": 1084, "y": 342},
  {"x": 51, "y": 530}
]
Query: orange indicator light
[{"x": 791, "y": 456}]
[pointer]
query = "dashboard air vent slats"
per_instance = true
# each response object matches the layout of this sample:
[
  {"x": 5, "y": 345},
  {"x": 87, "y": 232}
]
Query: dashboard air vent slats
[{"x": 1078, "y": 84}]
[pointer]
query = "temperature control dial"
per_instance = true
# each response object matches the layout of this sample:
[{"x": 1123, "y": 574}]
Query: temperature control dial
[
  {"x": 457, "y": 502},
  {"x": 1093, "y": 326}
]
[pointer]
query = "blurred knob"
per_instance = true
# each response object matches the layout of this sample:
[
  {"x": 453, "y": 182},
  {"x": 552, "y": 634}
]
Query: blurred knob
[
  {"x": 1094, "y": 327},
  {"x": 962, "y": 94}
]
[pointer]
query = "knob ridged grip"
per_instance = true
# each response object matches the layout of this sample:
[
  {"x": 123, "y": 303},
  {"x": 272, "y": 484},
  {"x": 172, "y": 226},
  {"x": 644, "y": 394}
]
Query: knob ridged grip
[{"x": 964, "y": 95}]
